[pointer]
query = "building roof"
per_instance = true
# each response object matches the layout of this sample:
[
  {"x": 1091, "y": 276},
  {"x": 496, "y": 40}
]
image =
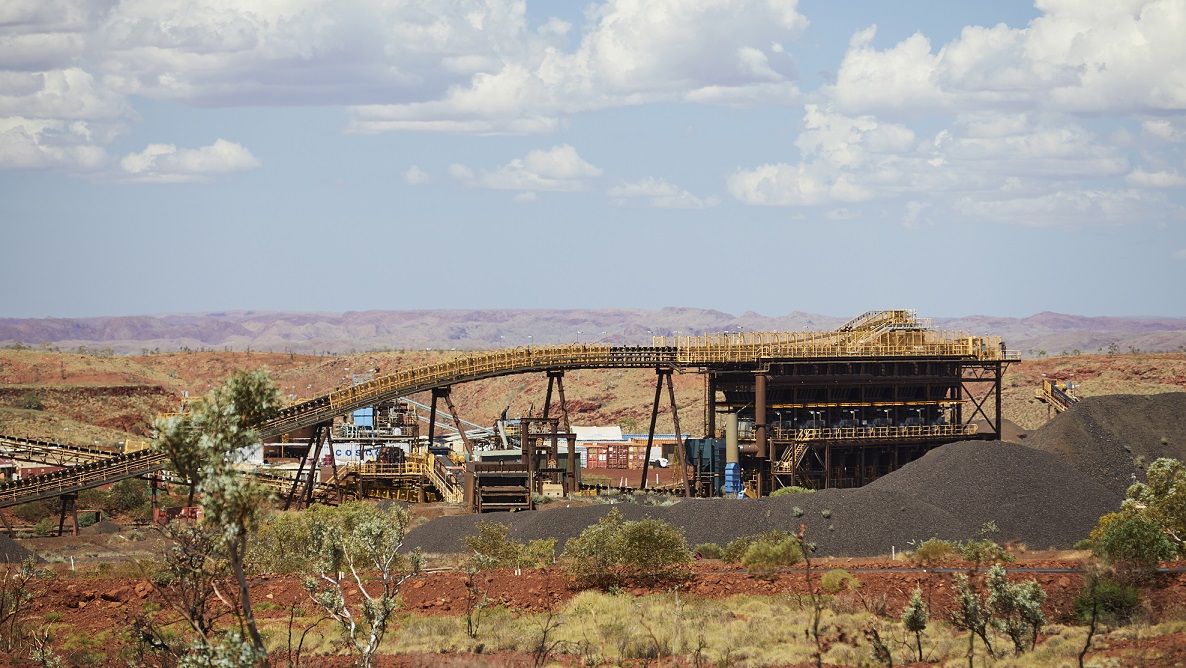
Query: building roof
[{"x": 599, "y": 434}]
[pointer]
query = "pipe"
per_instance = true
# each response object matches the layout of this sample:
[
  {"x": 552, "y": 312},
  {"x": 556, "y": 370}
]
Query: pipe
[{"x": 732, "y": 455}]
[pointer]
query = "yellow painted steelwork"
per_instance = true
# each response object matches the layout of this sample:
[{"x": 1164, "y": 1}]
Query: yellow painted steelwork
[{"x": 874, "y": 334}]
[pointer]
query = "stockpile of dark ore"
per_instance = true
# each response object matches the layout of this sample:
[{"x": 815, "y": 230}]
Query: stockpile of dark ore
[
  {"x": 1112, "y": 438},
  {"x": 11, "y": 552},
  {"x": 1048, "y": 493},
  {"x": 99, "y": 528},
  {"x": 950, "y": 493}
]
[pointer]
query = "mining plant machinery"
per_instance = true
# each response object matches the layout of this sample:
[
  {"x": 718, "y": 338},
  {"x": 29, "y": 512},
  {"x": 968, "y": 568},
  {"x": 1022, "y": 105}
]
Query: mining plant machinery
[{"x": 819, "y": 409}]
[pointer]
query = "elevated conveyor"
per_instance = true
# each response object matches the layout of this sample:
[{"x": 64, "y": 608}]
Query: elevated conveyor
[
  {"x": 49, "y": 452},
  {"x": 875, "y": 334},
  {"x": 76, "y": 478},
  {"x": 1058, "y": 395}
]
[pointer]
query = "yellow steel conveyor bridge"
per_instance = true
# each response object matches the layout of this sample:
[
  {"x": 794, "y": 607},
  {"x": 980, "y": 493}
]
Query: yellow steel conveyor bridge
[
  {"x": 894, "y": 333},
  {"x": 897, "y": 333}
]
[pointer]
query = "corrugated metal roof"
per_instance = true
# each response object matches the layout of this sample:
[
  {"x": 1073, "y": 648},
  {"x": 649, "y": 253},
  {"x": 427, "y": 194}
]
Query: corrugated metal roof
[{"x": 601, "y": 434}]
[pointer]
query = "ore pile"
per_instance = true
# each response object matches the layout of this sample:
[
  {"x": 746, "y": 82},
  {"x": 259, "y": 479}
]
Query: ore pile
[
  {"x": 11, "y": 552},
  {"x": 1033, "y": 497},
  {"x": 100, "y": 528},
  {"x": 1112, "y": 438}
]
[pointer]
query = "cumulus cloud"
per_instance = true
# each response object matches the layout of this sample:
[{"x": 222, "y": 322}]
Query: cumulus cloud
[
  {"x": 559, "y": 169},
  {"x": 1077, "y": 57},
  {"x": 996, "y": 159},
  {"x": 1165, "y": 130},
  {"x": 844, "y": 159},
  {"x": 660, "y": 194},
  {"x": 415, "y": 176},
  {"x": 165, "y": 163},
  {"x": 630, "y": 52},
  {"x": 1162, "y": 179},
  {"x": 28, "y": 143},
  {"x": 1072, "y": 208}
]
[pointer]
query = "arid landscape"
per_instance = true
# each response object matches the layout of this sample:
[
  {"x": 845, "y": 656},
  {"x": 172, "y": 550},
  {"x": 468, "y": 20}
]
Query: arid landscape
[{"x": 100, "y": 598}]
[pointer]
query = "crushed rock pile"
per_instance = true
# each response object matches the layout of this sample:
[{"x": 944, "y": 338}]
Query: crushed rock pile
[
  {"x": 950, "y": 493},
  {"x": 1111, "y": 438},
  {"x": 104, "y": 527},
  {"x": 11, "y": 552}
]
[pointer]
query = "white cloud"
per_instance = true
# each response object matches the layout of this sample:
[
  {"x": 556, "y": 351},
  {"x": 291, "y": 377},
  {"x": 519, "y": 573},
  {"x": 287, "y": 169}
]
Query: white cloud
[
  {"x": 415, "y": 176},
  {"x": 1179, "y": 254},
  {"x": 630, "y": 52},
  {"x": 844, "y": 159},
  {"x": 1164, "y": 130},
  {"x": 559, "y": 169},
  {"x": 165, "y": 163},
  {"x": 40, "y": 144},
  {"x": 1077, "y": 57},
  {"x": 997, "y": 157},
  {"x": 1162, "y": 179},
  {"x": 660, "y": 194},
  {"x": 1064, "y": 208}
]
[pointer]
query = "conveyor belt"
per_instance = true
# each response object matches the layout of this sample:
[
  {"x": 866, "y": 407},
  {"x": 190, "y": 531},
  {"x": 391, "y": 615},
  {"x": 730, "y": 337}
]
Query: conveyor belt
[
  {"x": 877, "y": 333},
  {"x": 81, "y": 476},
  {"x": 50, "y": 453}
]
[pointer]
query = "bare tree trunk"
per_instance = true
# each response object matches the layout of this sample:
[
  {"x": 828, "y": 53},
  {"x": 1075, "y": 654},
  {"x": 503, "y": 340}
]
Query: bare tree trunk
[{"x": 238, "y": 548}]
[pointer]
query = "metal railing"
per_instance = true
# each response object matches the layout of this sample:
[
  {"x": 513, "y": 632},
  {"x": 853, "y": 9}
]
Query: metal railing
[
  {"x": 82, "y": 476},
  {"x": 803, "y": 438},
  {"x": 50, "y": 453},
  {"x": 668, "y": 352}
]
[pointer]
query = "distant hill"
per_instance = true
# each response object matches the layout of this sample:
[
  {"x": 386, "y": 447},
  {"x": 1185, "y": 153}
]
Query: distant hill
[{"x": 319, "y": 333}]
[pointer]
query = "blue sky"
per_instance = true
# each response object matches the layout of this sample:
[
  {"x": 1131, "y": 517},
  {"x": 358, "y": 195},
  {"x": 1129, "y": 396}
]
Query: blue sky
[{"x": 953, "y": 157}]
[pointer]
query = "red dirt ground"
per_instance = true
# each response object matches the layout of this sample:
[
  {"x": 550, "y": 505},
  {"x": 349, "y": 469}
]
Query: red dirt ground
[{"x": 92, "y": 605}]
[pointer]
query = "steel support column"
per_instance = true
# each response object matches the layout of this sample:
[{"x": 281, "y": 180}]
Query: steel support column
[
  {"x": 457, "y": 421},
  {"x": 710, "y": 404},
  {"x": 437, "y": 393},
  {"x": 679, "y": 439},
  {"x": 760, "y": 430},
  {"x": 314, "y": 438},
  {"x": 646, "y": 457}
]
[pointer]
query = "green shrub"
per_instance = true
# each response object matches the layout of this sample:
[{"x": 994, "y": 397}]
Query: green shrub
[
  {"x": 33, "y": 512},
  {"x": 709, "y": 551},
  {"x": 792, "y": 489},
  {"x": 45, "y": 527},
  {"x": 934, "y": 551},
  {"x": 837, "y": 580},
  {"x": 654, "y": 550},
  {"x": 1132, "y": 541},
  {"x": 31, "y": 401},
  {"x": 613, "y": 552},
  {"x": 492, "y": 547},
  {"x": 1116, "y": 601},
  {"x": 1162, "y": 499},
  {"x": 1017, "y": 607},
  {"x": 736, "y": 549},
  {"x": 765, "y": 556},
  {"x": 128, "y": 496},
  {"x": 983, "y": 550}
]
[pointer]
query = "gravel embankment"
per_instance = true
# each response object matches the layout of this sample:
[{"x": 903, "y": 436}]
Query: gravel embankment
[
  {"x": 1048, "y": 493},
  {"x": 950, "y": 493},
  {"x": 1110, "y": 438},
  {"x": 11, "y": 552}
]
